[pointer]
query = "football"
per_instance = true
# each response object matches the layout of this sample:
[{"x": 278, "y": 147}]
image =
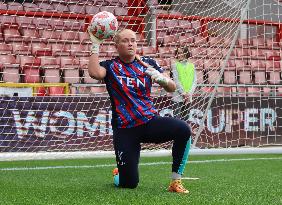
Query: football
[{"x": 103, "y": 25}]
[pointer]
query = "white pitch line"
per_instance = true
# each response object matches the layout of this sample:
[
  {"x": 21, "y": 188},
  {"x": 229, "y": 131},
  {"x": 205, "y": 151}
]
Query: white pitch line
[{"x": 142, "y": 164}]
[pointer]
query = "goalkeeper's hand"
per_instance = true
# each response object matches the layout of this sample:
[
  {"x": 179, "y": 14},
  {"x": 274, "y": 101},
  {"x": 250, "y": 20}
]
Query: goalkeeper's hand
[
  {"x": 157, "y": 77},
  {"x": 95, "y": 42}
]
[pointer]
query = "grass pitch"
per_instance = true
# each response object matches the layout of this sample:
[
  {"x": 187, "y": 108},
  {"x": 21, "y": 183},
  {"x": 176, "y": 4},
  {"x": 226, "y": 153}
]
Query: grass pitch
[{"x": 249, "y": 179}]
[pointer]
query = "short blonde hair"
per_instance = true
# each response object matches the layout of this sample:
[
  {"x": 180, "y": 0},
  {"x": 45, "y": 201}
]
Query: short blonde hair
[{"x": 116, "y": 37}]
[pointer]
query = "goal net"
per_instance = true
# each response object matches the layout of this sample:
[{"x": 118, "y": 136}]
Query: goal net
[{"x": 235, "y": 47}]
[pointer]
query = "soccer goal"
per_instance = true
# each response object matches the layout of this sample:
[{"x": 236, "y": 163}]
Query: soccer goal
[{"x": 235, "y": 47}]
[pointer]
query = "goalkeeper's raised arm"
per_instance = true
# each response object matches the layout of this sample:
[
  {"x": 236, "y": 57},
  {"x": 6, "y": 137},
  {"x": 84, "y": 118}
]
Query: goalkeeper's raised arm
[{"x": 95, "y": 70}]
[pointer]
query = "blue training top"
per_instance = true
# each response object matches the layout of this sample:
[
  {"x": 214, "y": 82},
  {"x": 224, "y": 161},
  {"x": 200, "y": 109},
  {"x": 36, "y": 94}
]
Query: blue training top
[{"x": 130, "y": 89}]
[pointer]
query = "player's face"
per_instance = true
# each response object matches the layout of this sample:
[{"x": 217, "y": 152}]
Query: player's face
[
  {"x": 127, "y": 45},
  {"x": 180, "y": 54}
]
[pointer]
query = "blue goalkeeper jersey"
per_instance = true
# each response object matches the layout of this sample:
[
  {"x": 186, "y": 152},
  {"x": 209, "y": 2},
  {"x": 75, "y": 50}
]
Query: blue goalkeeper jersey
[{"x": 130, "y": 89}]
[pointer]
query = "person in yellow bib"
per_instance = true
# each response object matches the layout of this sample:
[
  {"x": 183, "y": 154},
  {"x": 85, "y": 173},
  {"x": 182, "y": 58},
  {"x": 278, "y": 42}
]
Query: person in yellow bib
[{"x": 184, "y": 75}]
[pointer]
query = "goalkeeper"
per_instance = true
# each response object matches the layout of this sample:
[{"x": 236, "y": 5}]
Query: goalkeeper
[{"x": 135, "y": 120}]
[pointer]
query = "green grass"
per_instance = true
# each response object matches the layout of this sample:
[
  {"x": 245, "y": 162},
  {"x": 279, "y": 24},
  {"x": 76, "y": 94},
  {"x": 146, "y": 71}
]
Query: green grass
[{"x": 230, "y": 182}]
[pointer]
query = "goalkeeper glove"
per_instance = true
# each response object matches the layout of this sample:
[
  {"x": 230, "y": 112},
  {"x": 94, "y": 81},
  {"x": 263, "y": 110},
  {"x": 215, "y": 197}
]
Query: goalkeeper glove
[
  {"x": 95, "y": 43},
  {"x": 157, "y": 77}
]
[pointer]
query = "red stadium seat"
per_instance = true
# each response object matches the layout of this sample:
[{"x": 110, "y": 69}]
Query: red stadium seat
[
  {"x": 52, "y": 76},
  {"x": 30, "y": 7},
  {"x": 214, "y": 77},
  {"x": 257, "y": 54},
  {"x": 242, "y": 52},
  {"x": 186, "y": 25},
  {"x": 245, "y": 77},
  {"x": 50, "y": 66},
  {"x": 241, "y": 65},
  {"x": 273, "y": 69},
  {"x": 46, "y": 7},
  {"x": 83, "y": 37},
  {"x": 70, "y": 36},
  {"x": 123, "y": 3},
  {"x": 242, "y": 91},
  {"x": 8, "y": 21},
  {"x": 54, "y": 91},
  {"x": 171, "y": 24},
  {"x": 21, "y": 48},
  {"x": 12, "y": 35},
  {"x": 226, "y": 51},
  {"x": 60, "y": 49},
  {"x": 71, "y": 76},
  {"x": 57, "y": 24},
  {"x": 76, "y": 8},
  {"x": 214, "y": 52},
  {"x": 257, "y": 65},
  {"x": 229, "y": 77},
  {"x": 3, "y": 6},
  {"x": 270, "y": 53},
  {"x": 186, "y": 40},
  {"x": 243, "y": 42},
  {"x": 84, "y": 61},
  {"x": 31, "y": 75},
  {"x": 50, "y": 36},
  {"x": 211, "y": 64},
  {"x": 245, "y": 74},
  {"x": 114, "y": 3},
  {"x": 61, "y": 8},
  {"x": 230, "y": 64},
  {"x": 258, "y": 42},
  {"x": 260, "y": 77},
  {"x": 170, "y": 40},
  {"x": 5, "y": 48},
  {"x": 226, "y": 91},
  {"x": 40, "y": 91},
  {"x": 41, "y": 49},
  {"x": 15, "y": 6},
  {"x": 254, "y": 91},
  {"x": 69, "y": 62},
  {"x": 271, "y": 43},
  {"x": 79, "y": 50},
  {"x": 215, "y": 41},
  {"x": 92, "y": 9},
  {"x": 166, "y": 52},
  {"x": 161, "y": 24},
  {"x": 49, "y": 62},
  {"x": 149, "y": 51},
  {"x": 9, "y": 68},
  {"x": 196, "y": 25},
  {"x": 25, "y": 22},
  {"x": 29, "y": 62},
  {"x": 200, "y": 41},
  {"x": 74, "y": 25},
  {"x": 41, "y": 23},
  {"x": 160, "y": 36},
  {"x": 30, "y": 35},
  {"x": 266, "y": 91},
  {"x": 120, "y": 11}
]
